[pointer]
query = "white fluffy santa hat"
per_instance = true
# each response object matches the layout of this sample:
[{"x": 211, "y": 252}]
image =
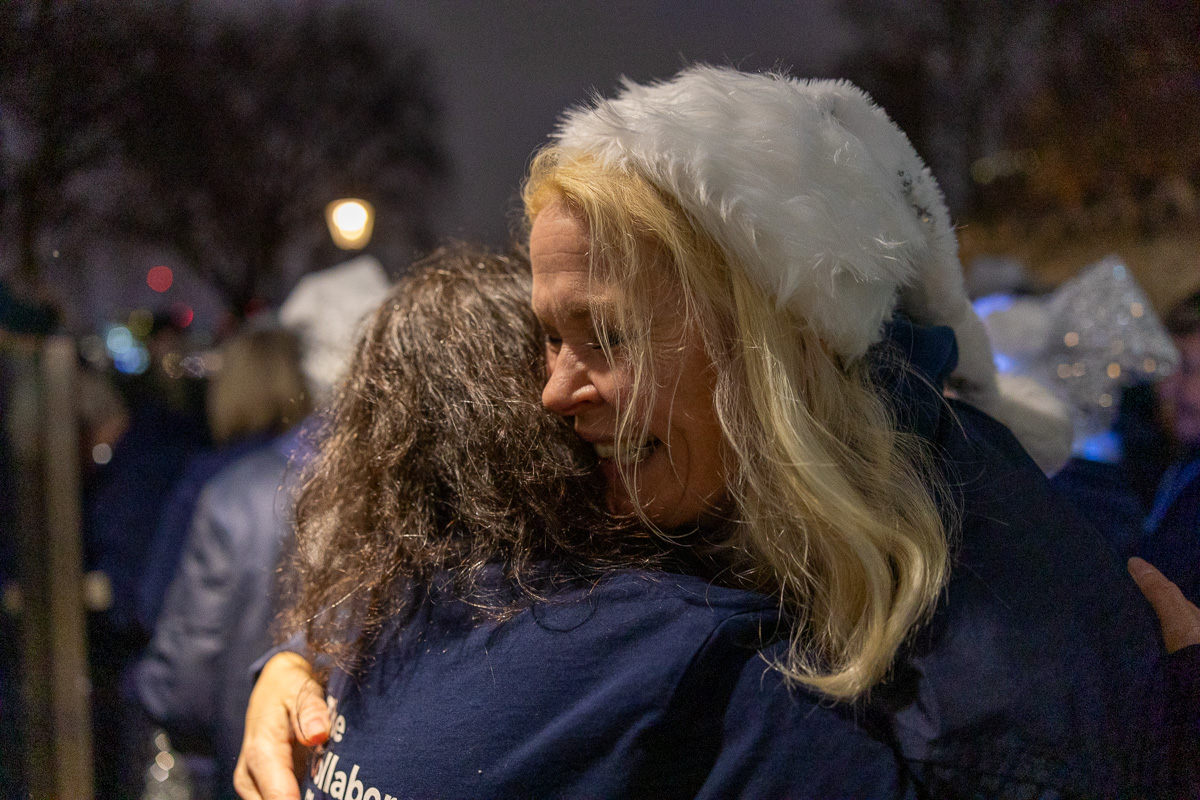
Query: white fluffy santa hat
[{"x": 822, "y": 199}]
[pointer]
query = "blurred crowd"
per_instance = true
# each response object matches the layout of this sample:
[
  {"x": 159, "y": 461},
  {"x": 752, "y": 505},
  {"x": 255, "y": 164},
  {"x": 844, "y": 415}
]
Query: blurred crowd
[
  {"x": 185, "y": 478},
  {"x": 186, "y": 492}
]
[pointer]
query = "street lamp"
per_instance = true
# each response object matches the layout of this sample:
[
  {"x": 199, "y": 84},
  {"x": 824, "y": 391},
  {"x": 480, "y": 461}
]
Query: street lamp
[{"x": 350, "y": 222}]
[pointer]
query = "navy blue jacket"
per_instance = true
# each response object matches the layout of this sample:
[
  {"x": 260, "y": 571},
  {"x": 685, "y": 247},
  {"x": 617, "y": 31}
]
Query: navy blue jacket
[
  {"x": 166, "y": 547},
  {"x": 216, "y": 620},
  {"x": 125, "y": 508},
  {"x": 1041, "y": 673}
]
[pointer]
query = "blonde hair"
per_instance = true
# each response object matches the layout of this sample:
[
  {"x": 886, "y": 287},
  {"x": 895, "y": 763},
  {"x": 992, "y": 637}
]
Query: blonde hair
[
  {"x": 259, "y": 387},
  {"x": 834, "y": 508}
]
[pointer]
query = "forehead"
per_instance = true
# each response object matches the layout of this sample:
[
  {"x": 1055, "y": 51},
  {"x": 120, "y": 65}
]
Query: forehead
[
  {"x": 568, "y": 286},
  {"x": 560, "y": 254}
]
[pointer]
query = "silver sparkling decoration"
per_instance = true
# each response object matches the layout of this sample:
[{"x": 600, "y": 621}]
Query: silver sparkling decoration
[
  {"x": 1094, "y": 335},
  {"x": 1103, "y": 335}
]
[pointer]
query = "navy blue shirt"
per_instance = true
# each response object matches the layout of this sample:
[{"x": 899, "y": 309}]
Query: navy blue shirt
[{"x": 645, "y": 685}]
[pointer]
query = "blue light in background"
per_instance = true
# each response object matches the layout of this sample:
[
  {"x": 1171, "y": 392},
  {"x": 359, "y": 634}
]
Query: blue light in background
[
  {"x": 1005, "y": 364},
  {"x": 992, "y": 303},
  {"x": 118, "y": 340},
  {"x": 133, "y": 361},
  {"x": 1103, "y": 447}
]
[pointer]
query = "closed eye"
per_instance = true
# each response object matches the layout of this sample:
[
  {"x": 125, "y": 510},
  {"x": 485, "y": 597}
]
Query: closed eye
[{"x": 613, "y": 340}]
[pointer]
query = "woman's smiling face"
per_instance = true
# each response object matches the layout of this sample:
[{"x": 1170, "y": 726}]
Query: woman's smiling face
[{"x": 680, "y": 469}]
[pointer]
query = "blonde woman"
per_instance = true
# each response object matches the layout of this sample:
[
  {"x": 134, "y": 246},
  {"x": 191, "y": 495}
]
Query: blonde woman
[
  {"x": 257, "y": 394},
  {"x": 717, "y": 263}
]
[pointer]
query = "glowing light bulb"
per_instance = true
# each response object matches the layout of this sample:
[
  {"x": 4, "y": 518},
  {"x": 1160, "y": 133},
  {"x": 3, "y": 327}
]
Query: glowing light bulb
[
  {"x": 351, "y": 217},
  {"x": 350, "y": 223}
]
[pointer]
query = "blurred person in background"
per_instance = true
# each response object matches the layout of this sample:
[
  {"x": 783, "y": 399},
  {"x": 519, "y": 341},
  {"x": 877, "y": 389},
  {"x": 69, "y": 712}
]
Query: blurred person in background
[
  {"x": 164, "y": 427},
  {"x": 122, "y": 510},
  {"x": 1171, "y": 533},
  {"x": 217, "y": 615},
  {"x": 1095, "y": 344},
  {"x": 256, "y": 394}
]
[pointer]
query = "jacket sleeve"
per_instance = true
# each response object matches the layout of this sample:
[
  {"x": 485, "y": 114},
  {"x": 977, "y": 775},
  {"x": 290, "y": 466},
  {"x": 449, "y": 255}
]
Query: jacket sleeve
[{"x": 179, "y": 678}]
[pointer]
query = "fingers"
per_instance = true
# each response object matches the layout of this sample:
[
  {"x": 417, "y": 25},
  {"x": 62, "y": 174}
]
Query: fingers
[
  {"x": 1180, "y": 619},
  {"x": 284, "y": 707},
  {"x": 264, "y": 772},
  {"x": 264, "y": 768},
  {"x": 309, "y": 712}
]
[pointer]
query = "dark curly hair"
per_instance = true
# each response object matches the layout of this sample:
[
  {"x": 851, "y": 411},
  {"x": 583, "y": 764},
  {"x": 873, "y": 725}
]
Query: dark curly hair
[{"x": 439, "y": 465}]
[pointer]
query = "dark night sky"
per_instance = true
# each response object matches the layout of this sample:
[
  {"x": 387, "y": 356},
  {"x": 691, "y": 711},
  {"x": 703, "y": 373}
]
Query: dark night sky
[{"x": 507, "y": 69}]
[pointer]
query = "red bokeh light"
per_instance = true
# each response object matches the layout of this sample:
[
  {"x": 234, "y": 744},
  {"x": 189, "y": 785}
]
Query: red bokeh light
[
  {"x": 183, "y": 315},
  {"x": 160, "y": 278}
]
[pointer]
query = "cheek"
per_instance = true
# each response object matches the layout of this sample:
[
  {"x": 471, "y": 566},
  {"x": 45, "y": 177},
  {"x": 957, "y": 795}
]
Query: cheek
[{"x": 614, "y": 385}]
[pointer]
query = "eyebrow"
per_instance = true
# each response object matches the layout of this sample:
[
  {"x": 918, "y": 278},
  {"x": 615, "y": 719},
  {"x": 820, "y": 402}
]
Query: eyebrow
[{"x": 578, "y": 311}]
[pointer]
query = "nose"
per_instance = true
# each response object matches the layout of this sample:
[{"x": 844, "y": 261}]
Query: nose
[{"x": 569, "y": 386}]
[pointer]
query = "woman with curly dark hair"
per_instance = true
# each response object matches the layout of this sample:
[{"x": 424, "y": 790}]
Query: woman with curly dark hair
[{"x": 439, "y": 469}]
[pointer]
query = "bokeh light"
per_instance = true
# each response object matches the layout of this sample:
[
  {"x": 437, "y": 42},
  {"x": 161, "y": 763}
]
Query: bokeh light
[
  {"x": 171, "y": 365},
  {"x": 118, "y": 340},
  {"x": 129, "y": 356},
  {"x": 140, "y": 323},
  {"x": 350, "y": 222},
  {"x": 182, "y": 315},
  {"x": 160, "y": 278},
  {"x": 102, "y": 453},
  {"x": 133, "y": 361}
]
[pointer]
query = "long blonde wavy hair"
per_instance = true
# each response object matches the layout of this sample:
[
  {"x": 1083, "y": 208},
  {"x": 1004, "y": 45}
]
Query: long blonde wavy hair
[{"x": 831, "y": 507}]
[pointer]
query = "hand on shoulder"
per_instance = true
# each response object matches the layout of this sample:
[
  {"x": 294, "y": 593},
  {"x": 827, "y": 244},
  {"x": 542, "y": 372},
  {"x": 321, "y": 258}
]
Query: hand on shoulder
[
  {"x": 1180, "y": 619},
  {"x": 287, "y": 710}
]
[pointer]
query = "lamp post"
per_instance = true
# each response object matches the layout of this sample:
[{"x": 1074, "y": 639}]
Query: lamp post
[{"x": 350, "y": 222}]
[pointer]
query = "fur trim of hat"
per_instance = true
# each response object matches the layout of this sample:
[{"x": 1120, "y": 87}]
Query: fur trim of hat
[{"x": 820, "y": 197}]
